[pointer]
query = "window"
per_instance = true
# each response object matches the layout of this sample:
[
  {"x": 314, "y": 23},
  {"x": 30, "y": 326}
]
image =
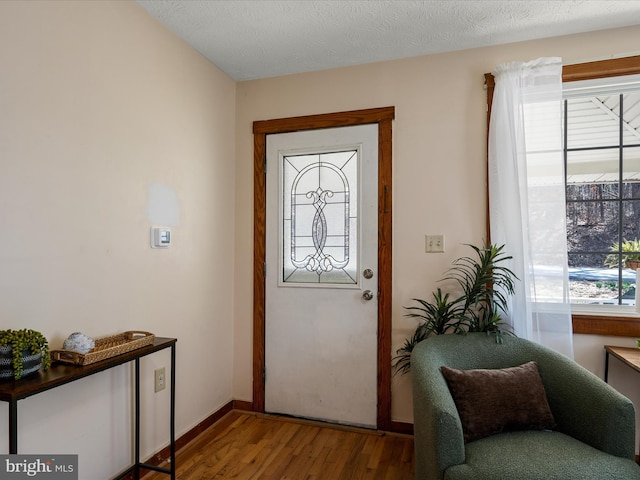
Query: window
[
  {"x": 588, "y": 321},
  {"x": 602, "y": 166}
]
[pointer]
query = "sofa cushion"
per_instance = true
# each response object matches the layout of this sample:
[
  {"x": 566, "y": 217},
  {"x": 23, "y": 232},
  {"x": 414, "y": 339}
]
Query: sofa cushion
[
  {"x": 500, "y": 400},
  {"x": 539, "y": 455}
]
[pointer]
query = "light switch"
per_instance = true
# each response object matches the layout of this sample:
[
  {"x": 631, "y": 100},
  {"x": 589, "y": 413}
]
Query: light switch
[{"x": 434, "y": 243}]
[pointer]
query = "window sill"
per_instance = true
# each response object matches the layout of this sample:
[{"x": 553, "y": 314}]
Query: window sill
[{"x": 614, "y": 325}]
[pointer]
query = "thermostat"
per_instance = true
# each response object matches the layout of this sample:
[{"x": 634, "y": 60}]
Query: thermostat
[{"x": 160, "y": 237}]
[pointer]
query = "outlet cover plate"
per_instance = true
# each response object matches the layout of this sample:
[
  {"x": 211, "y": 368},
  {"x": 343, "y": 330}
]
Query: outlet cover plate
[{"x": 160, "y": 379}]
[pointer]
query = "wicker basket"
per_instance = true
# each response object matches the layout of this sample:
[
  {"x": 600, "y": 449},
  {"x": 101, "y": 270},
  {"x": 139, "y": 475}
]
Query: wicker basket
[{"x": 106, "y": 347}]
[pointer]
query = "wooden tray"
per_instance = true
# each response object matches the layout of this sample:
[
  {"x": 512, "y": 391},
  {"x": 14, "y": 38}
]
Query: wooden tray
[{"x": 106, "y": 347}]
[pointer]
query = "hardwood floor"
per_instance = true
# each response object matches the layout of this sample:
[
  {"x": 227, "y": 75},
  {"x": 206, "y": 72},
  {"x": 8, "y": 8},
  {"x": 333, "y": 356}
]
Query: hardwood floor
[{"x": 244, "y": 445}]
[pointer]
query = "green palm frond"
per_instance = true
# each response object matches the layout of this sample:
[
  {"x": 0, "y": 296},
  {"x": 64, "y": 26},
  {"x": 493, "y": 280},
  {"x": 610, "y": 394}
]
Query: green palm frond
[
  {"x": 622, "y": 252},
  {"x": 486, "y": 284}
]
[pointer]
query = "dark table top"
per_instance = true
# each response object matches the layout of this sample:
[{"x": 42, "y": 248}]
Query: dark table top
[{"x": 61, "y": 373}]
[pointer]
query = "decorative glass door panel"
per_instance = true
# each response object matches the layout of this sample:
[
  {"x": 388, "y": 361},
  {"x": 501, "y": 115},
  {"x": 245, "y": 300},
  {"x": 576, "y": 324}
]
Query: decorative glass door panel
[{"x": 319, "y": 208}]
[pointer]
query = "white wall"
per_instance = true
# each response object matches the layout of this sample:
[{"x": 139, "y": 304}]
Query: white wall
[
  {"x": 439, "y": 160},
  {"x": 109, "y": 124}
]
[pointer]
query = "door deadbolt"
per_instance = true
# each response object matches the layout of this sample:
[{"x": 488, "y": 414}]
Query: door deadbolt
[{"x": 368, "y": 273}]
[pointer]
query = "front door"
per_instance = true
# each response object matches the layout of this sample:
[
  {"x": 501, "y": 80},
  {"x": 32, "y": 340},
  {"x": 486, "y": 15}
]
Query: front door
[{"x": 321, "y": 317}]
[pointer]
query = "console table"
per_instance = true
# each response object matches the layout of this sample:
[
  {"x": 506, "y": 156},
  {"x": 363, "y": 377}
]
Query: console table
[{"x": 60, "y": 374}]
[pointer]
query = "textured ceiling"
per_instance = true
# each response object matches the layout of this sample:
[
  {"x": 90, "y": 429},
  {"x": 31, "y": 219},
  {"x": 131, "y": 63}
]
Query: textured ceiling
[{"x": 251, "y": 39}]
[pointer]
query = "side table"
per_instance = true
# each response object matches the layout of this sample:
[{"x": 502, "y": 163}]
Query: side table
[
  {"x": 60, "y": 374},
  {"x": 627, "y": 355}
]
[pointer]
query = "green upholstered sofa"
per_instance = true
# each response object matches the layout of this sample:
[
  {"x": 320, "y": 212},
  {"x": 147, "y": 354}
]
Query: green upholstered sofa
[{"x": 594, "y": 437}]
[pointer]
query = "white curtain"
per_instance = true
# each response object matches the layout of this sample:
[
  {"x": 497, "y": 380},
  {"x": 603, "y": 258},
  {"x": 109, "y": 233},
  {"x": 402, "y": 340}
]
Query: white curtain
[{"x": 527, "y": 197}]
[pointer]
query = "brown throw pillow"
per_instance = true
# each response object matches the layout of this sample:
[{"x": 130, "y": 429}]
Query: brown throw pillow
[{"x": 494, "y": 401}]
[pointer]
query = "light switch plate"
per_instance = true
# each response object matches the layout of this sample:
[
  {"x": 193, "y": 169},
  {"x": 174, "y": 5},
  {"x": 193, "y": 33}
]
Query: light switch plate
[{"x": 434, "y": 243}]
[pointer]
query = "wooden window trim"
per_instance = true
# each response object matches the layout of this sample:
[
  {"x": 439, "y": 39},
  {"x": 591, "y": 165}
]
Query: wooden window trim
[{"x": 582, "y": 323}]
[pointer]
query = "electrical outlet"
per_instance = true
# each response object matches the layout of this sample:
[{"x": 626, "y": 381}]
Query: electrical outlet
[{"x": 161, "y": 379}]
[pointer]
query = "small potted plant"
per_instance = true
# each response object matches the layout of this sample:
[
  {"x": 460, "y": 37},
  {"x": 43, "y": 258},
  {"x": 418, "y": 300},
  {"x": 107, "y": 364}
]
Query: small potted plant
[
  {"x": 627, "y": 253},
  {"x": 22, "y": 352}
]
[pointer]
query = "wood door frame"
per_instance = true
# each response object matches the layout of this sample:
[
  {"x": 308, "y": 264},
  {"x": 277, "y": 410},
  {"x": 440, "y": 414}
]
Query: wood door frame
[{"x": 383, "y": 117}]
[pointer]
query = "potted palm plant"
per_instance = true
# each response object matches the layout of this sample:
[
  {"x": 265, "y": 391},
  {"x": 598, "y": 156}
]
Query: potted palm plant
[
  {"x": 485, "y": 284},
  {"x": 22, "y": 352},
  {"x": 626, "y": 253}
]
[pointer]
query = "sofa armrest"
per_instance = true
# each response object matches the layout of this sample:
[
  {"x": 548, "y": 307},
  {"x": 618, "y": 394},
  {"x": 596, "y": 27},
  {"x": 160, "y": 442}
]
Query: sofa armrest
[
  {"x": 438, "y": 438},
  {"x": 586, "y": 408}
]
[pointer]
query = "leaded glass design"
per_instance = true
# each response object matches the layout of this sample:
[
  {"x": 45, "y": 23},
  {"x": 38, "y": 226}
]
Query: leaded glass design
[{"x": 320, "y": 221}]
